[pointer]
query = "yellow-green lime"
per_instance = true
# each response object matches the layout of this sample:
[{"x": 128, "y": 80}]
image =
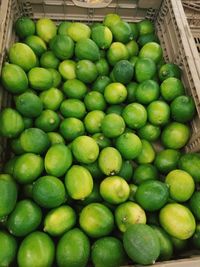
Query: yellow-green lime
[
  {"x": 100, "y": 84},
  {"x": 181, "y": 185},
  {"x": 46, "y": 29},
  {"x": 169, "y": 70},
  {"x": 62, "y": 46},
  {"x": 36, "y": 44},
  {"x": 73, "y": 108},
  {"x": 129, "y": 213},
  {"x": 144, "y": 172},
  {"x": 55, "y": 138},
  {"x": 171, "y": 88},
  {"x": 48, "y": 120},
  {"x": 145, "y": 69},
  {"x": 40, "y": 79},
  {"x": 67, "y": 69},
  {"x": 24, "y": 27},
  {"x": 102, "y": 36},
  {"x": 71, "y": 128},
  {"x": 103, "y": 67},
  {"x": 112, "y": 125},
  {"x": 110, "y": 19},
  {"x": 59, "y": 220},
  {"x": 177, "y": 220},
  {"x": 147, "y": 91},
  {"x": 74, "y": 89},
  {"x": 63, "y": 27},
  {"x": 94, "y": 101},
  {"x": 151, "y": 50},
  {"x": 52, "y": 98},
  {"x": 28, "y": 167},
  {"x": 49, "y": 192},
  {"x": 117, "y": 51},
  {"x": 133, "y": 48},
  {"x": 86, "y": 71},
  {"x": 101, "y": 140},
  {"x": 158, "y": 113},
  {"x": 115, "y": 93},
  {"x": 147, "y": 154},
  {"x": 96, "y": 220},
  {"x": 8, "y": 248},
  {"x": 56, "y": 77},
  {"x": 92, "y": 121},
  {"x": 135, "y": 115},
  {"x": 122, "y": 31},
  {"x": 78, "y": 31},
  {"x": 145, "y": 26},
  {"x": 49, "y": 60},
  {"x": 78, "y": 182}
]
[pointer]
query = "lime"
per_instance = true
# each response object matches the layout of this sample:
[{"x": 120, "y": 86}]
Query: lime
[
  {"x": 146, "y": 38},
  {"x": 36, "y": 44},
  {"x": 96, "y": 173},
  {"x": 85, "y": 149},
  {"x": 59, "y": 220},
  {"x": 144, "y": 172},
  {"x": 94, "y": 196},
  {"x": 145, "y": 69},
  {"x": 94, "y": 101},
  {"x": 49, "y": 192},
  {"x": 40, "y": 79},
  {"x": 129, "y": 213},
  {"x": 46, "y": 29},
  {"x": 29, "y": 105},
  {"x": 147, "y": 155},
  {"x": 158, "y": 112},
  {"x": 102, "y": 36},
  {"x": 78, "y": 31},
  {"x": 126, "y": 171},
  {"x": 8, "y": 248},
  {"x": 167, "y": 160},
  {"x": 86, "y": 71},
  {"x": 177, "y": 220},
  {"x": 55, "y": 138},
  {"x": 56, "y": 77},
  {"x": 169, "y": 70},
  {"x": 92, "y": 121},
  {"x": 76, "y": 176},
  {"x": 49, "y": 60},
  {"x": 51, "y": 98},
  {"x": 171, "y": 88},
  {"x": 145, "y": 26},
  {"x": 48, "y": 120},
  {"x": 14, "y": 78},
  {"x": 24, "y": 27},
  {"x": 102, "y": 66},
  {"x": 115, "y": 93},
  {"x": 101, "y": 140},
  {"x": 11, "y": 123},
  {"x": 25, "y": 218},
  {"x": 27, "y": 168},
  {"x": 151, "y": 50},
  {"x": 112, "y": 125},
  {"x": 116, "y": 52},
  {"x": 110, "y": 19},
  {"x": 100, "y": 83},
  {"x": 74, "y": 89},
  {"x": 117, "y": 109},
  {"x": 175, "y": 135},
  {"x": 77, "y": 245},
  {"x": 122, "y": 31},
  {"x": 147, "y": 91},
  {"x": 135, "y": 115},
  {"x": 129, "y": 145},
  {"x": 9, "y": 165},
  {"x": 37, "y": 249},
  {"x": 63, "y": 27},
  {"x": 22, "y": 55},
  {"x": 114, "y": 189},
  {"x": 183, "y": 109},
  {"x": 194, "y": 204},
  {"x": 34, "y": 140},
  {"x": 87, "y": 49},
  {"x": 131, "y": 90},
  {"x": 16, "y": 146},
  {"x": 110, "y": 161},
  {"x": 181, "y": 185},
  {"x": 108, "y": 252},
  {"x": 135, "y": 30},
  {"x": 96, "y": 220},
  {"x": 28, "y": 122},
  {"x": 73, "y": 108},
  {"x": 67, "y": 69},
  {"x": 132, "y": 47},
  {"x": 196, "y": 237},
  {"x": 149, "y": 132},
  {"x": 179, "y": 244},
  {"x": 71, "y": 128},
  {"x": 62, "y": 46},
  {"x": 123, "y": 71},
  {"x": 190, "y": 163}
]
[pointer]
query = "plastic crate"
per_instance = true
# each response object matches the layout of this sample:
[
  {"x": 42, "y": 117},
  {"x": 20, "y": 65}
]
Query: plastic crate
[{"x": 172, "y": 29}]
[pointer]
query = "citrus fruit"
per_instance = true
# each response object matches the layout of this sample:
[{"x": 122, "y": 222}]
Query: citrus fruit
[
  {"x": 55, "y": 138},
  {"x": 115, "y": 93},
  {"x": 147, "y": 91},
  {"x": 96, "y": 173},
  {"x": 48, "y": 120},
  {"x": 77, "y": 245},
  {"x": 135, "y": 30},
  {"x": 8, "y": 196},
  {"x": 22, "y": 55},
  {"x": 74, "y": 89},
  {"x": 94, "y": 196},
  {"x": 63, "y": 27},
  {"x": 171, "y": 88},
  {"x": 132, "y": 47},
  {"x": 110, "y": 161},
  {"x": 147, "y": 155},
  {"x": 145, "y": 69},
  {"x": 196, "y": 237},
  {"x": 122, "y": 31},
  {"x": 149, "y": 132},
  {"x": 179, "y": 244},
  {"x": 100, "y": 83},
  {"x": 85, "y": 149},
  {"x": 158, "y": 112},
  {"x": 117, "y": 109},
  {"x": 67, "y": 69},
  {"x": 183, "y": 109},
  {"x": 181, "y": 185},
  {"x": 144, "y": 172},
  {"x": 37, "y": 249},
  {"x": 49, "y": 60},
  {"x": 169, "y": 70},
  {"x": 11, "y": 123},
  {"x": 46, "y": 29},
  {"x": 36, "y": 44},
  {"x": 114, "y": 189},
  {"x": 129, "y": 213},
  {"x": 62, "y": 46},
  {"x": 56, "y": 77},
  {"x": 16, "y": 146},
  {"x": 25, "y": 218},
  {"x": 102, "y": 36},
  {"x": 112, "y": 125},
  {"x": 14, "y": 78},
  {"x": 123, "y": 71},
  {"x": 40, "y": 79},
  {"x": 71, "y": 128},
  {"x": 27, "y": 168},
  {"x": 76, "y": 176},
  {"x": 110, "y": 19},
  {"x": 194, "y": 204},
  {"x": 152, "y": 195},
  {"x": 190, "y": 163},
  {"x": 9, "y": 165},
  {"x": 151, "y": 50},
  {"x": 145, "y": 26},
  {"x": 59, "y": 220},
  {"x": 86, "y": 71},
  {"x": 57, "y": 160},
  {"x": 102, "y": 66},
  {"x": 29, "y": 104},
  {"x": 175, "y": 135},
  {"x": 87, "y": 49},
  {"x": 116, "y": 52},
  {"x": 129, "y": 145},
  {"x": 146, "y": 38},
  {"x": 96, "y": 220},
  {"x": 51, "y": 98},
  {"x": 28, "y": 122},
  {"x": 78, "y": 31},
  {"x": 108, "y": 252},
  {"x": 94, "y": 101},
  {"x": 73, "y": 108},
  {"x": 49, "y": 192},
  {"x": 24, "y": 27},
  {"x": 34, "y": 140},
  {"x": 177, "y": 220},
  {"x": 135, "y": 115},
  {"x": 92, "y": 121},
  {"x": 141, "y": 244},
  {"x": 101, "y": 140},
  {"x": 8, "y": 248},
  {"x": 131, "y": 90}
]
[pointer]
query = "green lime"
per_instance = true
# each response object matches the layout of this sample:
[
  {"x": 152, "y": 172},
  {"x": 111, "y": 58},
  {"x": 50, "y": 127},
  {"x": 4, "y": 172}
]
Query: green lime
[
  {"x": 131, "y": 91},
  {"x": 78, "y": 31},
  {"x": 147, "y": 91},
  {"x": 40, "y": 79},
  {"x": 101, "y": 140},
  {"x": 71, "y": 128},
  {"x": 144, "y": 172},
  {"x": 83, "y": 178},
  {"x": 123, "y": 71},
  {"x": 62, "y": 46},
  {"x": 158, "y": 113},
  {"x": 63, "y": 27},
  {"x": 9, "y": 165},
  {"x": 146, "y": 38},
  {"x": 122, "y": 31},
  {"x": 73, "y": 108},
  {"x": 116, "y": 52},
  {"x": 59, "y": 220},
  {"x": 92, "y": 121},
  {"x": 151, "y": 50},
  {"x": 145, "y": 26},
  {"x": 194, "y": 204},
  {"x": 24, "y": 27},
  {"x": 190, "y": 163},
  {"x": 16, "y": 146},
  {"x": 135, "y": 115},
  {"x": 86, "y": 71},
  {"x": 96, "y": 220},
  {"x": 110, "y": 19},
  {"x": 52, "y": 98},
  {"x": 126, "y": 171},
  {"x": 36, "y": 44},
  {"x": 100, "y": 83},
  {"x": 46, "y": 29},
  {"x": 67, "y": 69},
  {"x": 48, "y": 120},
  {"x": 145, "y": 69},
  {"x": 102, "y": 66},
  {"x": 115, "y": 93},
  {"x": 135, "y": 30},
  {"x": 133, "y": 48},
  {"x": 147, "y": 155},
  {"x": 8, "y": 248},
  {"x": 55, "y": 138},
  {"x": 96, "y": 173},
  {"x": 117, "y": 109},
  {"x": 49, "y": 192},
  {"x": 102, "y": 36},
  {"x": 87, "y": 49},
  {"x": 169, "y": 70},
  {"x": 28, "y": 122},
  {"x": 112, "y": 125},
  {"x": 74, "y": 89},
  {"x": 94, "y": 101},
  {"x": 149, "y": 132},
  {"x": 56, "y": 77},
  {"x": 171, "y": 88},
  {"x": 196, "y": 237},
  {"x": 49, "y": 60}
]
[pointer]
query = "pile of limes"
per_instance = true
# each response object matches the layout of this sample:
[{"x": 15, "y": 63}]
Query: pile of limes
[{"x": 97, "y": 174}]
